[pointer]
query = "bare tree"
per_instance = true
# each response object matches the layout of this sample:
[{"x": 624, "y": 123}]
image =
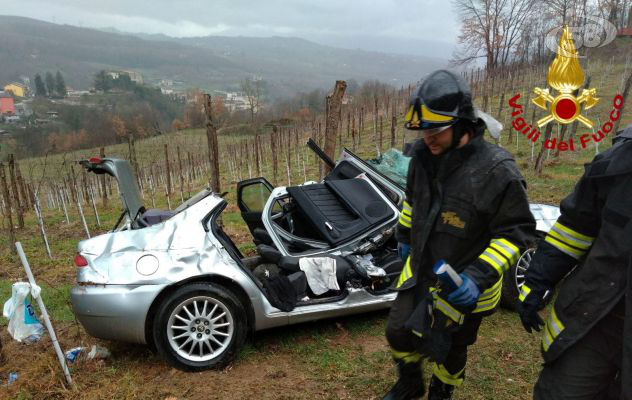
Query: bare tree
[
  {"x": 253, "y": 90},
  {"x": 491, "y": 29},
  {"x": 566, "y": 9},
  {"x": 615, "y": 11}
]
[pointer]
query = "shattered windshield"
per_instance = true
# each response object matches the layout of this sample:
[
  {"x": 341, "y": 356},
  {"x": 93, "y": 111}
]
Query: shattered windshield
[{"x": 393, "y": 164}]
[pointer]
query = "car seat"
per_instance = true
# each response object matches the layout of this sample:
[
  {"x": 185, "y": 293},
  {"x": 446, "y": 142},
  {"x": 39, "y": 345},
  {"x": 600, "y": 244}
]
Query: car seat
[{"x": 341, "y": 209}]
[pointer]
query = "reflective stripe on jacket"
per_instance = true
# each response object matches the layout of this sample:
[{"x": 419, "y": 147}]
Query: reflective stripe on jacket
[
  {"x": 470, "y": 209},
  {"x": 590, "y": 247}
]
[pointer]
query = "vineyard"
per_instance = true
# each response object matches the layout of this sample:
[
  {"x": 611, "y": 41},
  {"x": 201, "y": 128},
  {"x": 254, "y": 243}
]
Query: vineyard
[{"x": 49, "y": 204}]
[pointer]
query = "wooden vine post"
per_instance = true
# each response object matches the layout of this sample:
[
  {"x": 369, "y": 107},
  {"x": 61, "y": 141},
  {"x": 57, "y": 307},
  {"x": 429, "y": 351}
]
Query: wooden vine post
[
  {"x": 104, "y": 191},
  {"x": 273, "y": 147},
  {"x": 7, "y": 205},
  {"x": 334, "y": 102},
  {"x": 213, "y": 148},
  {"x": 393, "y": 126},
  {"x": 168, "y": 170},
  {"x": 19, "y": 209}
]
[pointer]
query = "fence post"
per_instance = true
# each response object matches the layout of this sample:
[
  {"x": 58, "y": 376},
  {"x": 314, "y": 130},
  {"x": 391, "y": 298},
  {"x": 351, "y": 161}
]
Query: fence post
[
  {"x": 393, "y": 126},
  {"x": 334, "y": 102},
  {"x": 7, "y": 206},
  {"x": 40, "y": 222},
  {"x": 168, "y": 168},
  {"x": 213, "y": 148},
  {"x": 16, "y": 195},
  {"x": 104, "y": 192}
]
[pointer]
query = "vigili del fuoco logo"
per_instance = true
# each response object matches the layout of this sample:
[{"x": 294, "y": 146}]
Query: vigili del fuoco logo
[{"x": 566, "y": 76}]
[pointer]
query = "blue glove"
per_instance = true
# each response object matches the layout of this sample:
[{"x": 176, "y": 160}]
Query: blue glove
[
  {"x": 465, "y": 295},
  {"x": 403, "y": 250}
]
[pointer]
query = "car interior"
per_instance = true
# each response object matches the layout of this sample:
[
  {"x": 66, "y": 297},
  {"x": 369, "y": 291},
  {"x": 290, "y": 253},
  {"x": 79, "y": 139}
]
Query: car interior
[{"x": 319, "y": 217}]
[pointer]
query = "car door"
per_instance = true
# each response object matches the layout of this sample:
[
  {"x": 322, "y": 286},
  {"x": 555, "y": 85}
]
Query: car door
[{"x": 252, "y": 195}]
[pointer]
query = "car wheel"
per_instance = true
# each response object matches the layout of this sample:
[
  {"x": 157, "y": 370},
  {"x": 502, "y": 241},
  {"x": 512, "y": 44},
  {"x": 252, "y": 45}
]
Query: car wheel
[
  {"x": 515, "y": 278},
  {"x": 200, "y": 326}
]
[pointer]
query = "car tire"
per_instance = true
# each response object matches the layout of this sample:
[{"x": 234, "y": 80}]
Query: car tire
[
  {"x": 514, "y": 279},
  {"x": 200, "y": 326}
]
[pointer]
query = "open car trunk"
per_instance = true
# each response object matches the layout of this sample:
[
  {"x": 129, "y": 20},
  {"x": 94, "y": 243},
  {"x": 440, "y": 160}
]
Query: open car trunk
[{"x": 133, "y": 209}]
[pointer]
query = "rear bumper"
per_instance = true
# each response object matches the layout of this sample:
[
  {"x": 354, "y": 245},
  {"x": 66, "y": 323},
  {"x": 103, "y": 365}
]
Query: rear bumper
[{"x": 114, "y": 312}]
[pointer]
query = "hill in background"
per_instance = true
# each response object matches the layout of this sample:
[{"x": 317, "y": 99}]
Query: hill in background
[{"x": 289, "y": 65}]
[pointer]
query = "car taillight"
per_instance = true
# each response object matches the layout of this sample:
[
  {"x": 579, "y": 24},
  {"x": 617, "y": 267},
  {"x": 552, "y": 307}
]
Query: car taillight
[
  {"x": 95, "y": 160},
  {"x": 80, "y": 261}
]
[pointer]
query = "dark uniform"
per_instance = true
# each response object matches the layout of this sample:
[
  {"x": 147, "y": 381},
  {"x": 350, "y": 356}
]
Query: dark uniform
[
  {"x": 587, "y": 340},
  {"x": 470, "y": 208},
  {"x": 466, "y": 205}
]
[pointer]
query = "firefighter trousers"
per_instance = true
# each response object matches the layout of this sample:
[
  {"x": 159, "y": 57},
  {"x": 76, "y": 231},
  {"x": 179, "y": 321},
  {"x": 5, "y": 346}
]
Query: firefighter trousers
[
  {"x": 401, "y": 340},
  {"x": 587, "y": 370}
]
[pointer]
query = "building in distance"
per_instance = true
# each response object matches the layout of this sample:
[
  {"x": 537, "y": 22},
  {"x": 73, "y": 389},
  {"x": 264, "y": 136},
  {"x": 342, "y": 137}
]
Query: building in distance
[
  {"x": 18, "y": 89},
  {"x": 7, "y": 107}
]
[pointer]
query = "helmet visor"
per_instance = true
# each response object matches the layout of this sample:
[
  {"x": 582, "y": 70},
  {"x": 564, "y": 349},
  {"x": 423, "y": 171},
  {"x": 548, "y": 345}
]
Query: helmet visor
[{"x": 433, "y": 131}]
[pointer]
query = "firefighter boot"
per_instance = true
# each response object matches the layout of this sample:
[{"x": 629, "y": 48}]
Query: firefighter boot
[
  {"x": 410, "y": 384},
  {"x": 439, "y": 390}
]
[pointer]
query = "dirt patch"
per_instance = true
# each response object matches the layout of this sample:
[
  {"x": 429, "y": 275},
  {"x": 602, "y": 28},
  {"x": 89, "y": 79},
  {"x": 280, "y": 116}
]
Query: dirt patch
[
  {"x": 373, "y": 344},
  {"x": 134, "y": 371}
]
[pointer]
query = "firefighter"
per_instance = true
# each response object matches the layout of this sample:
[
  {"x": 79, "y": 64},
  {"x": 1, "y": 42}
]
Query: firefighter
[
  {"x": 589, "y": 247},
  {"x": 466, "y": 204}
]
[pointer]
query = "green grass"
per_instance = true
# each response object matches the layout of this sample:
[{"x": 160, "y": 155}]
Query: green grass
[{"x": 56, "y": 300}]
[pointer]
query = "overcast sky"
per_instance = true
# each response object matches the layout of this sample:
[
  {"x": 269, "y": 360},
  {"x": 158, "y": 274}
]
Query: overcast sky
[{"x": 426, "y": 27}]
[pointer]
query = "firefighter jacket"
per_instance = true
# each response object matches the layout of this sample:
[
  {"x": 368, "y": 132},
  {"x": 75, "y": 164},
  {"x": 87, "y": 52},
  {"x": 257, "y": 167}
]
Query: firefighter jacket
[
  {"x": 468, "y": 207},
  {"x": 591, "y": 238}
]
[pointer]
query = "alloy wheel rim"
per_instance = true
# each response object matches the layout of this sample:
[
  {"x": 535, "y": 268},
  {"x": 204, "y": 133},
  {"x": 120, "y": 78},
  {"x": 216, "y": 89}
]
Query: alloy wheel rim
[
  {"x": 200, "y": 328},
  {"x": 521, "y": 269}
]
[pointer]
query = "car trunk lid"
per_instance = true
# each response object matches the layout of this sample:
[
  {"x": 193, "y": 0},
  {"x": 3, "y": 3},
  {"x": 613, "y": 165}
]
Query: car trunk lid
[{"x": 122, "y": 171}]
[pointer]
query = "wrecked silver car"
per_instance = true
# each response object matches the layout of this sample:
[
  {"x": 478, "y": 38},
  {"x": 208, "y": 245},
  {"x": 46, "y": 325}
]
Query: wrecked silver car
[{"x": 176, "y": 281}]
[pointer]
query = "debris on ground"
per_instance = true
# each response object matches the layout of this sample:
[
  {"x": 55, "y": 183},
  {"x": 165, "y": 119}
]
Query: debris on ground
[
  {"x": 98, "y": 353},
  {"x": 73, "y": 354},
  {"x": 23, "y": 323},
  {"x": 13, "y": 376}
]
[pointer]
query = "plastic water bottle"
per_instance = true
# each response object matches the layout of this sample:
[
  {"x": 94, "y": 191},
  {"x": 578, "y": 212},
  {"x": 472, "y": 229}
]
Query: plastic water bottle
[{"x": 447, "y": 275}]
